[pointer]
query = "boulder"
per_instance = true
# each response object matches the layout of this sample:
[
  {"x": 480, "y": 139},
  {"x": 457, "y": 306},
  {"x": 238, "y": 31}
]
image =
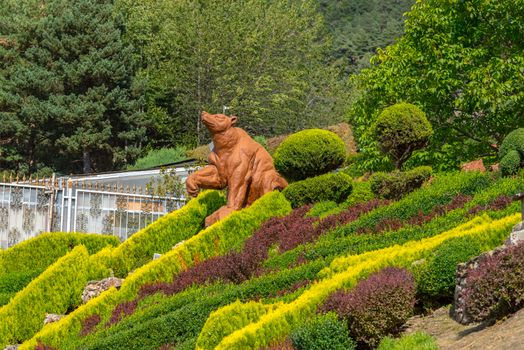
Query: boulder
[{"x": 95, "y": 288}]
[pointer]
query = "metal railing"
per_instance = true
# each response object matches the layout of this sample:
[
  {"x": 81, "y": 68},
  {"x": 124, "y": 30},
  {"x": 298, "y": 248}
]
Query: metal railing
[{"x": 29, "y": 207}]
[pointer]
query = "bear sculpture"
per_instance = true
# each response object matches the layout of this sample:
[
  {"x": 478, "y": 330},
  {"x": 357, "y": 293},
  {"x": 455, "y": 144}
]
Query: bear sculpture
[{"x": 237, "y": 162}]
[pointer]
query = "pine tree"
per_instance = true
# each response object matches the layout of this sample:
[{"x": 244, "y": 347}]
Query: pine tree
[{"x": 67, "y": 97}]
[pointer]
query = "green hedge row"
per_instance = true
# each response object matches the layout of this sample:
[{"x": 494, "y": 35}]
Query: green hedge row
[
  {"x": 328, "y": 187},
  {"x": 180, "y": 318},
  {"x": 178, "y": 321},
  {"x": 397, "y": 184},
  {"x": 56, "y": 290},
  {"x": 217, "y": 239},
  {"x": 163, "y": 234},
  {"x": 40, "y": 252},
  {"x": 441, "y": 191},
  {"x": 11, "y": 283}
]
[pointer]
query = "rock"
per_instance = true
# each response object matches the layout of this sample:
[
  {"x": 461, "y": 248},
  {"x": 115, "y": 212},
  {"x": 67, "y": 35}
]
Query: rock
[
  {"x": 476, "y": 165},
  {"x": 156, "y": 256},
  {"x": 12, "y": 347},
  {"x": 95, "y": 288},
  {"x": 517, "y": 234},
  {"x": 50, "y": 318}
]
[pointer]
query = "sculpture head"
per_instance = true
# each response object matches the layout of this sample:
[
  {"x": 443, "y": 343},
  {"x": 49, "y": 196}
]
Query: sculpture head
[{"x": 217, "y": 123}]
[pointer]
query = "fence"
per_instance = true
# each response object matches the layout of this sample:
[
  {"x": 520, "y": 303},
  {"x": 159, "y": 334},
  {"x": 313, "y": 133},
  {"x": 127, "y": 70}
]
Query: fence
[{"x": 29, "y": 207}]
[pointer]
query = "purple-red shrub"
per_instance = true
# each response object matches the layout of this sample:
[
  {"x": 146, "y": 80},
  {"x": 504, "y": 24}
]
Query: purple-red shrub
[
  {"x": 376, "y": 307},
  {"x": 499, "y": 203},
  {"x": 40, "y": 346},
  {"x": 496, "y": 287},
  {"x": 285, "y": 344},
  {"x": 89, "y": 324},
  {"x": 294, "y": 287},
  {"x": 122, "y": 310}
]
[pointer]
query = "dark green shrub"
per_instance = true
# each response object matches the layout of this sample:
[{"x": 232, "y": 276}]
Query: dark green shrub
[
  {"x": 511, "y": 163},
  {"x": 436, "y": 276},
  {"x": 511, "y": 153},
  {"x": 11, "y": 283},
  {"x": 514, "y": 141},
  {"x": 309, "y": 153},
  {"x": 325, "y": 332},
  {"x": 398, "y": 183},
  {"x": 402, "y": 129},
  {"x": 328, "y": 187}
]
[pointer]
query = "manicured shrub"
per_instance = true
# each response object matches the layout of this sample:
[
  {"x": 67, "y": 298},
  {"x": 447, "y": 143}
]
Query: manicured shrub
[
  {"x": 495, "y": 288},
  {"x": 217, "y": 324},
  {"x": 401, "y": 129},
  {"x": 11, "y": 283},
  {"x": 181, "y": 317},
  {"x": 163, "y": 234},
  {"x": 40, "y": 252},
  {"x": 377, "y": 307},
  {"x": 417, "y": 340},
  {"x": 511, "y": 163},
  {"x": 325, "y": 332},
  {"x": 514, "y": 141},
  {"x": 328, "y": 187},
  {"x": 56, "y": 290},
  {"x": 361, "y": 193},
  {"x": 309, "y": 153},
  {"x": 436, "y": 276},
  {"x": 397, "y": 184},
  {"x": 215, "y": 240},
  {"x": 344, "y": 272},
  {"x": 511, "y": 152}
]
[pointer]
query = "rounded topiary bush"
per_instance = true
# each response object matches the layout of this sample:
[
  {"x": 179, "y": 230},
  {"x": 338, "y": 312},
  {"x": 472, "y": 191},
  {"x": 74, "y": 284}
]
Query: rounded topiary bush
[
  {"x": 511, "y": 163},
  {"x": 398, "y": 183},
  {"x": 309, "y": 153},
  {"x": 334, "y": 187},
  {"x": 402, "y": 129},
  {"x": 511, "y": 153}
]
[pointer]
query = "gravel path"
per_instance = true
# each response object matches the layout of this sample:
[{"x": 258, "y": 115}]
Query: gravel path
[{"x": 507, "y": 334}]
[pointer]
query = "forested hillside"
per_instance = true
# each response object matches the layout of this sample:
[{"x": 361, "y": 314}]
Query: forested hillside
[{"x": 359, "y": 27}]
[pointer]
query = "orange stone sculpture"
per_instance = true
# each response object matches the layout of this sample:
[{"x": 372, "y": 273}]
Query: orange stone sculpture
[{"x": 237, "y": 162}]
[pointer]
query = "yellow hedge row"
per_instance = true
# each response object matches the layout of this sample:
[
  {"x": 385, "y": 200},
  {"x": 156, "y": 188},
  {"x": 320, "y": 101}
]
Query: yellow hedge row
[
  {"x": 56, "y": 290},
  {"x": 228, "y": 319},
  {"x": 40, "y": 252},
  {"x": 217, "y": 239},
  {"x": 345, "y": 272},
  {"x": 163, "y": 234}
]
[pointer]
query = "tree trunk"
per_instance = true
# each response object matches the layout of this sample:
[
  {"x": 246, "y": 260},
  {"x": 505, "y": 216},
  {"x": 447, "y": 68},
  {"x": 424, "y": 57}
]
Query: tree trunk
[{"x": 87, "y": 161}]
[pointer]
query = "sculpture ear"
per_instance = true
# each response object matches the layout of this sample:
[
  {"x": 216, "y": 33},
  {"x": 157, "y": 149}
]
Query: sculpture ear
[{"x": 234, "y": 119}]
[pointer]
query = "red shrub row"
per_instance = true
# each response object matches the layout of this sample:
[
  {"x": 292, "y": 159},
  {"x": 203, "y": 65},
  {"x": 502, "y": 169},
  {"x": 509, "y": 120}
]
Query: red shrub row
[
  {"x": 89, "y": 324},
  {"x": 499, "y": 203},
  {"x": 377, "y": 307},
  {"x": 496, "y": 287}
]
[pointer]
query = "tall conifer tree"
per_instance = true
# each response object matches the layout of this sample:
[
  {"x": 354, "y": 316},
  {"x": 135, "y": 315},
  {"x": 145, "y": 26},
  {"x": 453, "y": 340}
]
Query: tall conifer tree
[{"x": 67, "y": 97}]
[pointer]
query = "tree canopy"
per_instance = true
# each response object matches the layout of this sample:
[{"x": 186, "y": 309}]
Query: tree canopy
[
  {"x": 66, "y": 92},
  {"x": 265, "y": 60},
  {"x": 462, "y": 63}
]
